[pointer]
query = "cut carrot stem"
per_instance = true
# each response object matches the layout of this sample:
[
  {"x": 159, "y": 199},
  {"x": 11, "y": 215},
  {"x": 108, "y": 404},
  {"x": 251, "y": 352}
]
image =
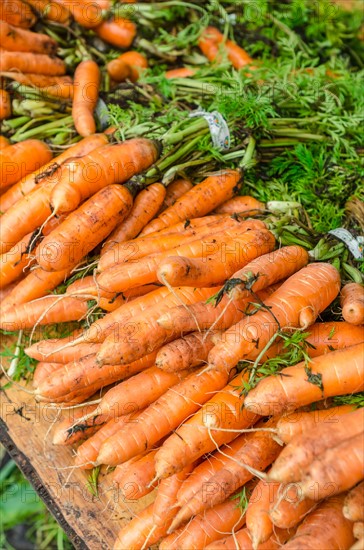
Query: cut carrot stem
[{"x": 352, "y": 303}]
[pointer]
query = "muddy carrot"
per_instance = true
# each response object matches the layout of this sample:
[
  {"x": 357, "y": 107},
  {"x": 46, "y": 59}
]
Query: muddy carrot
[
  {"x": 21, "y": 159},
  {"x": 289, "y": 506},
  {"x": 51, "y": 11},
  {"x": 17, "y": 13},
  {"x": 17, "y": 39},
  {"x": 186, "y": 352},
  {"x": 353, "y": 508},
  {"x": 352, "y": 303},
  {"x": 29, "y": 62}
]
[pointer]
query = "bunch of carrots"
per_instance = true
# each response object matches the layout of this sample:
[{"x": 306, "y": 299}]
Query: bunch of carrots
[{"x": 194, "y": 298}]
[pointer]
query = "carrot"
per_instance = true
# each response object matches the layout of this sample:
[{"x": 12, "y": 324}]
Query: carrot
[
  {"x": 325, "y": 527},
  {"x": 289, "y": 507},
  {"x": 49, "y": 173},
  {"x": 30, "y": 62},
  {"x": 266, "y": 270},
  {"x": 137, "y": 480},
  {"x": 85, "y": 95},
  {"x": 118, "y": 70},
  {"x": 209, "y": 42},
  {"x": 42, "y": 370},
  {"x": 22, "y": 158},
  {"x": 258, "y": 522},
  {"x": 118, "y": 32},
  {"x": 84, "y": 228},
  {"x": 246, "y": 243},
  {"x": 238, "y": 205},
  {"x": 258, "y": 450},
  {"x": 43, "y": 350},
  {"x": 86, "y": 14},
  {"x": 304, "y": 448},
  {"x": 164, "y": 415},
  {"x": 51, "y": 11},
  {"x": 14, "y": 262},
  {"x": 17, "y": 13},
  {"x": 182, "y": 72},
  {"x": 299, "y": 422},
  {"x": 353, "y": 508},
  {"x": 243, "y": 539},
  {"x": 56, "y": 86},
  {"x": 186, "y": 352},
  {"x": 86, "y": 374},
  {"x": 297, "y": 303},
  {"x": 5, "y": 104},
  {"x": 358, "y": 530},
  {"x": 127, "y": 65},
  {"x": 4, "y": 142},
  {"x": 223, "y": 411},
  {"x": 4, "y": 292},
  {"x": 140, "y": 336},
  {"x": 64, "y": 434},
  {"x": 167, "y": 494},
  {"x": 207, "y": 528},
  {"x": 334, "y": 471},
  {"x": 209, "y": 270},
  {"x": 352, "y": 303},
  {"x": 16, "y": 39},
  {"x": 105, "y": 166},
  {"x": 335, "y": 373},
  {"x": 175, "y": 190},
  {"x": 145, "y": 207},
  {"x": 200, "y": 200},
  {"x": 358, "y": 545}
]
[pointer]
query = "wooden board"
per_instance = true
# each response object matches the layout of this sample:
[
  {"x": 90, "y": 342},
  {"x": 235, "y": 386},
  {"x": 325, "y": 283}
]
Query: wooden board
[{"x": 26, "y": 432}]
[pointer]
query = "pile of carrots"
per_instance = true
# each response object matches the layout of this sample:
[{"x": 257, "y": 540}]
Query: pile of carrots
[{"x": 193, "y": 294}]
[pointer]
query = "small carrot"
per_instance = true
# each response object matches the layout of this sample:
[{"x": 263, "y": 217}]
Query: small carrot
[
  {"x": 200, "y": 200},
  {"x": 182, "y": 72},
  {"x": 44, "y": 350},
  {"x": 118, "y": 32},
  {"x": 186, "y": 352},
  {"x": 304, "y": 448},
  {"x": 29, "y": 62},
  {"x": 127, "y": 65},
  {"x": 146, "y": 205},
  {"x": 16, "y": 39},
  {"x": 289, "y": 506},
  {"x": 17, "y": 13},
  {"x": 175, "y": 190},
  {"x": 238, "y": 205},
  {"x": 50, "y": 10},
  {"x": 21, "y": 159},
  {"x": 352, "y": 303},
  {"x": 353, "y": 508},
  {"x": 167, "y": 494},
  {"x": 104, "y": 166},
  {"x": 85, "y": 95},
  {"x": 137, "y": 480},
  {"x": 5, "y": 104},
  {"x": 325, "y": 527},
  {"x": 160, "y": 418},
  {"x": 209, "y": 43},
  {"x": 258, "y": 522},
  {"x": 42, "y": 370}
]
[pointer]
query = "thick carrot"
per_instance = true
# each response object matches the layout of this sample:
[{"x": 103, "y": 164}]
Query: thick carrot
[
  {"x": 86, "y": 374},
  {"x": 335, "y": 373},
  {"x": 42, "y": 370},
  {"x": 127, "y": 65},
  {"x": 258, "y": 522},
  {"x": 22, "y": 158},
  {"x": 5, "y": 104},
  {"x": 50, "y": 10},
  {"x": 304, "y": 448},
  {"x": 352, "y": 303},
  {"x": 118, "y": 32},
  {"x": 175, "y": 190},
  {"x": 16, "y": 39},
  {"x": 238, "y": 205},
  {"x": 182, "y": 72},
  {"x": 200, "y": 200},
  {"x": 142, "y": 334},
  {"x": 160, "y": 418},
  {"x": 211, "y": 37},
  {"x": 85, "y": 95},
  {"x": 167, "y": 494},
  {"x": 4, "y": 142},
  {"x": 146, "y": 205},
  {"x": 334, "y": 471},
  {"x": 56, "y": 86},
  {"x": 206, "y": 528},
  {"x": 43, "y": 350},
  {"x": 64, "y": 434},
  {"x": 353, "y": 508},
  {"x": 324, "y": 528},
  {"x": 242, "y": 538},
  {"x": 186, "y": 352},
  {"x": 289, "y": 506},
  {"x": 197, "y": 436},
  {"x": 86, "y": 14},
  {"x": 266, "y": 270},
  {"x": 17, "y": 13},
  {"x": 29, "y": 62},
  {"x": 104, "y": 166},
  {"x": 84, "y": 228},
  {"x": 49, "y": 172},
  {"x": 15, "y": 262},
  {"x": 136, "y": 481},
  {"x": 296, "y": 303},
  {"x": 299, "y": 422}
]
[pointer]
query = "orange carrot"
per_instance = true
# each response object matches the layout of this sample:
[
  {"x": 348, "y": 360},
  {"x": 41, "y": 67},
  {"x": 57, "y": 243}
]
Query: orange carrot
[
  {"x": 21, "y": 159},
  {"x": 353, "y": 508},
  {"x": 85, "y": 95},
  {"x": 182, "y": 72},
  {"x": 104, "y": 166},
  {"x": 200, "y": 200},
  {"x": 5, "y": 103},
  {"x": 145, "y": 207},
  {"x": 304, "y": 448},
  {"x": 127, "y": 65},
  {"x": 186, "y": 352},
  {"x": 49, "y": 173},
  {"x": 42, "y": 370},
  {"x": 325, "y": 527},
  {"x": 209, "y": 42},
  {"x": 238, "y": 205},
  {"x": 243, "y": 539},
  {"x": 50, "y": 10},
  {"x": 56, "y": 86},
  {"x": 289, "y": 507},
  {"x": 167, "y": 494},
  {"x": 175, "y": 190},
  {"x": 16, "y": 39},
  {"x": 118, "y": 32},
  {"x": 86, "y": 14},
  {"x": 14, "y": 262},
  {"x": 136, "y": 481},
  {"x": 352, "y": 303},
  {"x": 358, "y": 530},
  {"x": 64, "y": 434},
  {"x": 160, "y": 418},
  {"x": 335, "y": 373},
  {"x": 43, "y": 350},
  {"x": 297, "y": 303},
  {"x": 4, "y": 142},
  {"x": 17, "y": 13},
  {"x": 258, "y": 522},
  {"x": 29, "y": 62}
]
